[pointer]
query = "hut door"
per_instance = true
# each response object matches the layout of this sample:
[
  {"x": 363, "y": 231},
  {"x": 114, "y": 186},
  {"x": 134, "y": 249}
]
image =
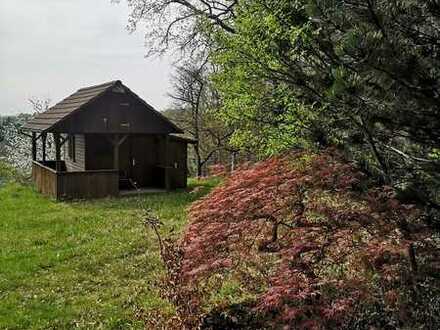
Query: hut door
[
  {"x": 128, "y": 162},
  {"x": 140, "y": 160},
  {"x": 124, "y": 162}
]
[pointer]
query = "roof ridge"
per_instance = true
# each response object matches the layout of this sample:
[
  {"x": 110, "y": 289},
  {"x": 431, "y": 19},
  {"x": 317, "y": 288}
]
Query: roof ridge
[{"x": 110, "y": 83}]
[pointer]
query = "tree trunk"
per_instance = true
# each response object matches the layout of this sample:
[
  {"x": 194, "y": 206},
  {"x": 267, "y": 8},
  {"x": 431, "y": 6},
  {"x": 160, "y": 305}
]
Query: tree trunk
[
  {"x": 199, "y": 169},
  {"x": 380, "y": 159},
  {"x": 412, "y": 258},
  {"x": 274, "y": 232},
  {"x": 233, "y": 160},
  {"x": 198, "y": 160}
]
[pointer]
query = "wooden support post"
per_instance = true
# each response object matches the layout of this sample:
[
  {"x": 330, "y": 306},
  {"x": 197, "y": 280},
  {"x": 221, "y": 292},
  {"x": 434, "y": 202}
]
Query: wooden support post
[
  {"x": 116, "y": 142},
  {"x": 34, "y": 146},
  {"x": 43, "y": 140},
  {"x": 116, "y": 152},
  {"x": 167, "y": 165},
  {"x": 56, "y": 137},
  {"x": 64, "y": 140}
]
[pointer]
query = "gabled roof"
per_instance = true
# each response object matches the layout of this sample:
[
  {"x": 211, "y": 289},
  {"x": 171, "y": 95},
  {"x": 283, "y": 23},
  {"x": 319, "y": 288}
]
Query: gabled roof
[{"x": 80, "y": 99}]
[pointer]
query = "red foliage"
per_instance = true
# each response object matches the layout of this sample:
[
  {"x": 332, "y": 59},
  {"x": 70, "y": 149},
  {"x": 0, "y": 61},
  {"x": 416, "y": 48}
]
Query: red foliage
[
  {"x": 307, "y": 211},
  {"x": 217, "y": 170}
]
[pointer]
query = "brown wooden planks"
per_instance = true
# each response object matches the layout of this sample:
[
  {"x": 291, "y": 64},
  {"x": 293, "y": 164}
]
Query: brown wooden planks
[
  {"x": 89, "y": 184},
  {"x": 75, "y": 185},
  {"x": 45, "y": 179}
]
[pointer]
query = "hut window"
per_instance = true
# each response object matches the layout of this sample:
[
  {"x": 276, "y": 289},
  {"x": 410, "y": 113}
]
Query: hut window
[{"x": 71, "y": 147}]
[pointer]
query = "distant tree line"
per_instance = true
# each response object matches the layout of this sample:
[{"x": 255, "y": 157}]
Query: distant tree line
[{"x": 15, "y": 148}]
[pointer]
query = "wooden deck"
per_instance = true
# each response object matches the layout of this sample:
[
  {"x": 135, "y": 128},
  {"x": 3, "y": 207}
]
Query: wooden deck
[{"x": 74, "y": 185}]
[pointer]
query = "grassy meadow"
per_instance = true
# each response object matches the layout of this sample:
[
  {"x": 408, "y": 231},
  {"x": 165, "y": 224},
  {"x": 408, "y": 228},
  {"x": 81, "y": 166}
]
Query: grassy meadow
[{"x": 83, "y": 264}]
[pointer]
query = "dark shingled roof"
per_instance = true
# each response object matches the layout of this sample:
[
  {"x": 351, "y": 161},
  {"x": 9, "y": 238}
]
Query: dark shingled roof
[
  {"x": 78, "y": 100},
  {"x": 44, "y": 121}
]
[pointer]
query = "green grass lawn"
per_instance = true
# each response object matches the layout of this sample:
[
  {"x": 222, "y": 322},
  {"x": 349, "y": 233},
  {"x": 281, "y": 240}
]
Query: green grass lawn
[{"x": 81, "y": 264}]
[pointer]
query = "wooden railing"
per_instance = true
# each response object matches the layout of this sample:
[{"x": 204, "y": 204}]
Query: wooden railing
[
  {"x": 74, "y": 185},
  {"x": 45, "y": 178}
]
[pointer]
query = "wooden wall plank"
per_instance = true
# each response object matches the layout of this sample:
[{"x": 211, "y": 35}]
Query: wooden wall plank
[{"x": 80, "y": 154}]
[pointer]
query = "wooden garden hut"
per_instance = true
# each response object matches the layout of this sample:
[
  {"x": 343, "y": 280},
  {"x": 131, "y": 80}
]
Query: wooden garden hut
[{"x": 111, "y": 139}]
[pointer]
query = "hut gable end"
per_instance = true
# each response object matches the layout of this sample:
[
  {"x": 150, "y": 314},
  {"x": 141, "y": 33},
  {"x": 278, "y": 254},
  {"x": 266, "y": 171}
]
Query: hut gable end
[{"x": 106, "y": 108}]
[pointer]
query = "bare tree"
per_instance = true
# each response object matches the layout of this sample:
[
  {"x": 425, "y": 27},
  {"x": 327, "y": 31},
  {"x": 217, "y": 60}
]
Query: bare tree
[
  {"x": 39, "y": 105},
  {"x": 180, "y": 24},
  {"x": 194, "y": 106}
]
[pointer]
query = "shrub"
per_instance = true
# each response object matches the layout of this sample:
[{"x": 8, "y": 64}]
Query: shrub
[
  {"x": 217, "y": 170},
  {"x": 308, "y": 235}
]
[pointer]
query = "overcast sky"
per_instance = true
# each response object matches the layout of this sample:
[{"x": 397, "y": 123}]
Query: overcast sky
[{"x": 51, "y": 48}]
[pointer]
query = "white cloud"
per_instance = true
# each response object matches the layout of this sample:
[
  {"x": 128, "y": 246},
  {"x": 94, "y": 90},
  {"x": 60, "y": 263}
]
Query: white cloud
[{"x": 50, "y": 48}]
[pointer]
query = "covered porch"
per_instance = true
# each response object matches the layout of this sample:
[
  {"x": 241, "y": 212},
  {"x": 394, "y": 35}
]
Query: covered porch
[
  {"x": 54, "y": 179},
  {"x": 105, "y": 165}
]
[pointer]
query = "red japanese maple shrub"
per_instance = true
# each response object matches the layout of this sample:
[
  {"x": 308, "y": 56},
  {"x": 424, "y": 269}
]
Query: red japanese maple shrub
[
  {"x": 319, "y": 242},
  {"x": 217, "y": 170}
]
